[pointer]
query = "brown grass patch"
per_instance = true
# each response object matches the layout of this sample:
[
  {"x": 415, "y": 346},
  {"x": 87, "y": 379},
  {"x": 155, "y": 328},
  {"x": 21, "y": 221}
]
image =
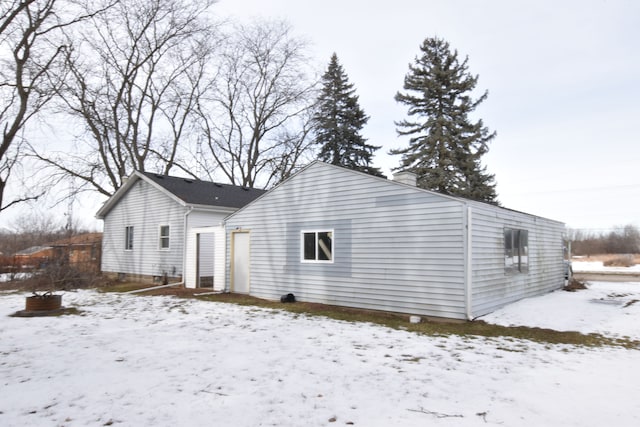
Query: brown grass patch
[
  {"x": 631, "y": 259},
  {"x": 620, "y": 261},
  {"x": 434, "y": 327},
  {"x": 574, "y": 285}
]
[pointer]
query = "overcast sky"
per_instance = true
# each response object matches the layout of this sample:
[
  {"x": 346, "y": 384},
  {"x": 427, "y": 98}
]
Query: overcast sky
[{"x": 563, "y": 80}]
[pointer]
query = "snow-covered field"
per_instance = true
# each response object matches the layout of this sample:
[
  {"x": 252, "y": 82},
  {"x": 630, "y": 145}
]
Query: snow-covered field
[
  {"x": 597, "y": 266},
  {"x": 161, "y": 361}
]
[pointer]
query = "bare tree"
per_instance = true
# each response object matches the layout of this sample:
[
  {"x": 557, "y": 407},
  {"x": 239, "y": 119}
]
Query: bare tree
[
  {"x": 31, "y": 52},
  {"x": 134, "y": 78},
  {"x": 623, "y": 240},
  {"x": 255, "y": 117},
  {"x": 619, "y": 240},
  {"x": 32, "y": 229}
]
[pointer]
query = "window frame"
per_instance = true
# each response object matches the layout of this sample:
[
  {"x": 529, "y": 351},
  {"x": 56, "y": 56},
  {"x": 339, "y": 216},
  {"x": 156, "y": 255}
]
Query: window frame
[
  {"x": 128, "y": 237},
  {"x": 317, "y": 232},
  {"x": 162, "y": 237},
  {"x": 516, "y": 250}
]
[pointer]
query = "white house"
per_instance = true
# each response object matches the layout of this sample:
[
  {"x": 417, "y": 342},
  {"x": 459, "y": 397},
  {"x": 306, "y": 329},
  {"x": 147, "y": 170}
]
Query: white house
[
  {"x": 331, "y": 235},
  {"x": 164, "y": 228}
]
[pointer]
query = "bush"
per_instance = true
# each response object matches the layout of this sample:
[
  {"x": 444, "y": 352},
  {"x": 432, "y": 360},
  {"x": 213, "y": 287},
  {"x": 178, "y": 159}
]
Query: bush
[
  {"x": 54, "y": 278},
  {"x": 620, "y": 261}
]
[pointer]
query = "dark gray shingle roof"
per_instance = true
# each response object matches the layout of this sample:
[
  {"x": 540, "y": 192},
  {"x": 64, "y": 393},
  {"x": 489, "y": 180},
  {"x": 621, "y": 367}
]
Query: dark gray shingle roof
[{"x": 196, "y": 192}]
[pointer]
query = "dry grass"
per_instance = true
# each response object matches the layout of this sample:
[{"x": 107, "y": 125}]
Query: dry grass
[
  {"x": 631, "y": 259},
  {"x": 620, "y": 261},
  {"x": 398, "y": 321},
  {"x": 575, "y": 285},
  {"x": 433, "y": 327}
]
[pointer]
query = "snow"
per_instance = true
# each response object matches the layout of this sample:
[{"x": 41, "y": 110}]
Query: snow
[
  {"x": 7, "y": 277},
  {"x": 162, "y": 361},
  {"x": 596, "y": 266},
  {"x": 607, "y": 308}
]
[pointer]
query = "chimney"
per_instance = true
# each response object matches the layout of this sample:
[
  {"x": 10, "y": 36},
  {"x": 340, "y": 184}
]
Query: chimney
[{"x": 406, "y": 177}]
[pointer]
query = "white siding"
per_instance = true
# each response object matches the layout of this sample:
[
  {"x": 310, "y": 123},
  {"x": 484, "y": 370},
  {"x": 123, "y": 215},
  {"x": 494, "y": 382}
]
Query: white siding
[
  {"x": 145, "y": 209},
  {"x": 493, "y": 287},
  {"x": 396, "y": 248},
  {"x": 206, "y": 218}
]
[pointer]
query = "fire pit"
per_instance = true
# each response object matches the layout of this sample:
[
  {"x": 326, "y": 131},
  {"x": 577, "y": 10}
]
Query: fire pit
[
  {"x": 43, "y": 302},
  {"x": 46, "y": 304}
]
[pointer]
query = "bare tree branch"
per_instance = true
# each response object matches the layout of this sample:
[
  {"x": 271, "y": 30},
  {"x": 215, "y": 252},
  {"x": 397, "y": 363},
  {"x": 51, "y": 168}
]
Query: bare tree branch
[
  {"x": 134, "y": 77},
  {"x": 31, "y": 69},
  {"x": 264, "y": 89}
]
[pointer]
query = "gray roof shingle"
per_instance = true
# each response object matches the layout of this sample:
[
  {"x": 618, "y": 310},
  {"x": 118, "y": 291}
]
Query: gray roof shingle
[{"x": 196, "y": 192}]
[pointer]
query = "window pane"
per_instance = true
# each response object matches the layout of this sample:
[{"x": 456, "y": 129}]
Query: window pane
[
  {"x": 128, "y": 239},
  {"x": 523, "y": 248},
  {"x": 309, "y": 246},
  {"x": 516, "y": 250},
  {"x": 164, "y": 237},
  {"x": 325, "y": 246},
  {"x": 508, "y": 248}
]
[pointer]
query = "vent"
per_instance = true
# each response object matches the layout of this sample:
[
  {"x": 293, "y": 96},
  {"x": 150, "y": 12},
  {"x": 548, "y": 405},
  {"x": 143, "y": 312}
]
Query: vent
[
  {"x": 217, "y": 185},
  {"x": 159, "y": 176},
  {"x": 188, "y": 181}
]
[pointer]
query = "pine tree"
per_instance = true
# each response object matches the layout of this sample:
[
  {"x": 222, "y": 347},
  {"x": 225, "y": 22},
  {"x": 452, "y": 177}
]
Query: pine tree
[
  {"x": 338, "y": 121},
  {"x": 445, "y": 147}
]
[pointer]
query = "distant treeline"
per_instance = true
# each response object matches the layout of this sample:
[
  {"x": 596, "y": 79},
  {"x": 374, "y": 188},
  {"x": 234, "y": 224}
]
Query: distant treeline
[{"x": 621, "y": 240}]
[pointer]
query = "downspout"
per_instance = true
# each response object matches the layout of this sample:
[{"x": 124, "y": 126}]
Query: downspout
[
  {"x": 185, "y": 239},
  {"x": 226, "y": 288},
  {"x": 468, "y": 265}
]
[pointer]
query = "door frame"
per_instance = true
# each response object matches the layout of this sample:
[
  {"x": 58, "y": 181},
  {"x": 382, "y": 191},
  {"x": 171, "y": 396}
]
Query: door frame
[{"x": 191, "y": 257}]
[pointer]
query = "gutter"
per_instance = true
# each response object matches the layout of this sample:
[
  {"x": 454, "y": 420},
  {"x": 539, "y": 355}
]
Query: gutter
[
  {"x": 468, "y": 265},
  {"x": 185, "y": 239},
  {"x": 227, "y": 256}
]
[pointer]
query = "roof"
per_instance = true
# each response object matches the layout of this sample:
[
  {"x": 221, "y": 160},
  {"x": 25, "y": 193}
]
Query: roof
[
  {"x": 33, "y": 250},
  {"x": 85, "y": 239},
  {"x": 318, "y": 163},
  {"x": 188, "y": 192},
  {"x": 196, "y": 192}
]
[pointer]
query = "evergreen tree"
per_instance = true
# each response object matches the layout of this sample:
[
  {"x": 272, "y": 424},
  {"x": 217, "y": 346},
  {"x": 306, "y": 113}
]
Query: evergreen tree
[
  {"x": 338, "y": 121},
  {"x": 445, "y": 147}
]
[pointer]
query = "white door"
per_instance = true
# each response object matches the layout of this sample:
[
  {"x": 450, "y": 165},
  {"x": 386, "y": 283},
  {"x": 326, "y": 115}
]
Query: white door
[{"x": 241, "y": 259}]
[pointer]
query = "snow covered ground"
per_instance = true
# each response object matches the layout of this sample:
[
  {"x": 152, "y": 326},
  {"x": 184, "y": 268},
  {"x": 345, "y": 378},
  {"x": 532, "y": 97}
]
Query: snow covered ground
[
  {"x": 161, "y": 361},
  {"x": 608, "y": 308},
  {"x": 7, "y": 277},
  {"x": 596, "y": 266}
]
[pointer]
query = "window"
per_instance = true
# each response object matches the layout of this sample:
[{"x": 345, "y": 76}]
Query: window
[
  {"x": 164, "y": 236},
  {"x": 128, "y": 238},
  {"x": 516, "y": 250},
  {"x": 317, "y": 246}
]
